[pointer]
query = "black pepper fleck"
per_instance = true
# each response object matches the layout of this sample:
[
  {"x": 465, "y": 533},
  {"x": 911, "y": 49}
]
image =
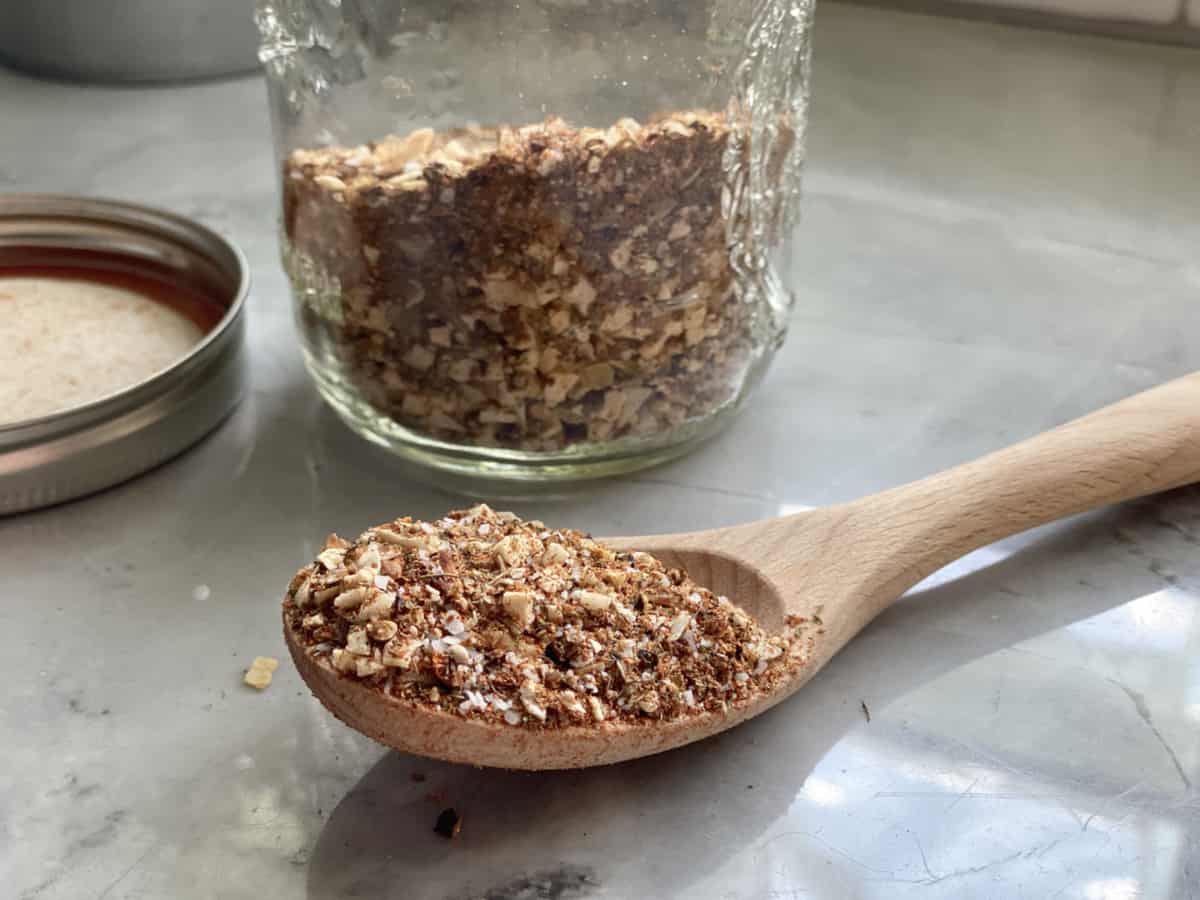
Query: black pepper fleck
[{"x": 448, "y": 823}]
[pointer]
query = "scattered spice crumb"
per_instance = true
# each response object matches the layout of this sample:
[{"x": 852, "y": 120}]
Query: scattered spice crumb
[
  {"x": 448, "y": 824},
  {"x": 865, "y": 709},
  {"x": 418, "y": 777},
  {"x": 486, "y": 616},
  {"x": 260, "y": 672},
  {"x": 257, "y": 678}
]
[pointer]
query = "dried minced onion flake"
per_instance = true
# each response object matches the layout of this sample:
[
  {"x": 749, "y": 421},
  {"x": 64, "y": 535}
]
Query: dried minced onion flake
[
  {"x": 494, "y": 618},
  {"x": 331, "y": 557},
  {"x": 679, "y": 625},
  {"x": 351, "y": 599}
]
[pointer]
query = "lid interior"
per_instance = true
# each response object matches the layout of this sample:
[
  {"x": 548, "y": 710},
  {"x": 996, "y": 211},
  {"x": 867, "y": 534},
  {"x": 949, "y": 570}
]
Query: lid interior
[{"x": 47, "y": 232}]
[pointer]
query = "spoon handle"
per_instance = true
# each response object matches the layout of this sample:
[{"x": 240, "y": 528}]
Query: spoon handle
[{"x": 1141, "y": 445}]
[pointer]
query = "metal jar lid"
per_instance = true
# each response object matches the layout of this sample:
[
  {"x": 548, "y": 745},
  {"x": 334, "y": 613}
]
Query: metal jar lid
[{"x": 85, "y": 448}]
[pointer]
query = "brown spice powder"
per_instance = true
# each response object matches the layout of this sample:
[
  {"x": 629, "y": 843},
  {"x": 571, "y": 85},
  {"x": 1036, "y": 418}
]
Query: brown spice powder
[{"x": 488, "y": 616}]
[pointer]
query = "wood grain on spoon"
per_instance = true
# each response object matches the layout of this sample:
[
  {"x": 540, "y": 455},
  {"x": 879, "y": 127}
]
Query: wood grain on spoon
[{"x": 842, "y": 564}]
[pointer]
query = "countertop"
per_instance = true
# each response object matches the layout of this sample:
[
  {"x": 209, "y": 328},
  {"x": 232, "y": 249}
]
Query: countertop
[{"x": 1000, "y": 231}]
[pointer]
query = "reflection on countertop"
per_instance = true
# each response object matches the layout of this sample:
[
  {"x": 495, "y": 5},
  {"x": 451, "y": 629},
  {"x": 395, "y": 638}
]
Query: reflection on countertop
[{"x": 1000, "y": 231}]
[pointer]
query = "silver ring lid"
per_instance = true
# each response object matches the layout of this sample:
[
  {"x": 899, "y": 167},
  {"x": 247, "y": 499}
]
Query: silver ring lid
[{"x": 85, "y": 448}]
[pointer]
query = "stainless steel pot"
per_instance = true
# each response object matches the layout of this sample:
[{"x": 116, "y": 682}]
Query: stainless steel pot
[{"x": 128, "y": 40}]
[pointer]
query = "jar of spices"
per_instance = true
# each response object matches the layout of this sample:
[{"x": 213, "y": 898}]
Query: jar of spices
[{"x": 538, "y": 239}]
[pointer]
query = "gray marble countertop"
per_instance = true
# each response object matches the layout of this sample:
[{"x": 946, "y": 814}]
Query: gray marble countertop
[{"x": 999, "y": 234}]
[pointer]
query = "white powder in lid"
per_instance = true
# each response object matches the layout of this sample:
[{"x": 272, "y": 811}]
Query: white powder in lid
[{"x": 67, "y": 342}]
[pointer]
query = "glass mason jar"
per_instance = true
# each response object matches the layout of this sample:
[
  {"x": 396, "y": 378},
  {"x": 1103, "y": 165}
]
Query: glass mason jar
[{"x": 538, "y": 239}]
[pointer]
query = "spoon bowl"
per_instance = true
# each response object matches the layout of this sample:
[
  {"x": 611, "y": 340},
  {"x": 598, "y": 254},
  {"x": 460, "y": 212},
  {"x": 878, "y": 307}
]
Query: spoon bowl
[
  {"x": 822, "y": 575},
  {"x": 741, "y": 580},
  {"x": 413, "y": 728}
]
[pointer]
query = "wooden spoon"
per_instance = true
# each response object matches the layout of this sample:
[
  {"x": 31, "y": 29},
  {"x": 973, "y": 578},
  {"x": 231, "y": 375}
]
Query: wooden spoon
[{"x": 838, "y": 567}]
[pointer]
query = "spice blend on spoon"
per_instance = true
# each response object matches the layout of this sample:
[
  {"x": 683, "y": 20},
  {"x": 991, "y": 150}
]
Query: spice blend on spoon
[{"x": 488, "y": 616}]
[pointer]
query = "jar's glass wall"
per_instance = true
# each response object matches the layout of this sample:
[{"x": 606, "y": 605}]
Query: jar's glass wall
[{"x": 537, "y": 234}]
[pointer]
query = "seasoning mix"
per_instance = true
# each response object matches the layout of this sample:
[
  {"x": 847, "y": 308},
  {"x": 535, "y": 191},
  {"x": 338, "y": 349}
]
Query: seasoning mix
[
  {"x": 483, "y": 615},
  {"x": 527, "y": 288}
]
